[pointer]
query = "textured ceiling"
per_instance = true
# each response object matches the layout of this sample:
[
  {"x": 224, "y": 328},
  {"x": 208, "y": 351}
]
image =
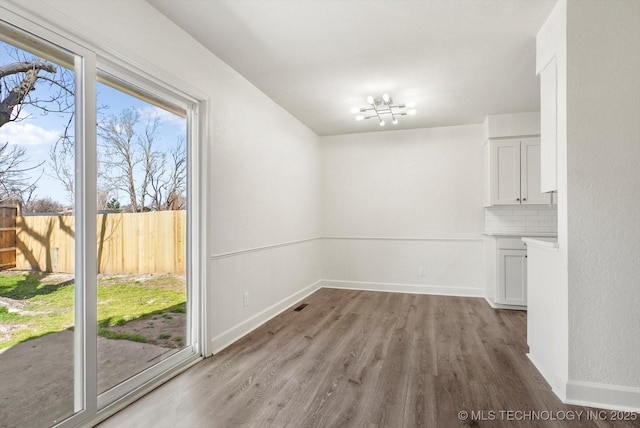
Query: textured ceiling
[{"x": 458, "y": 60}]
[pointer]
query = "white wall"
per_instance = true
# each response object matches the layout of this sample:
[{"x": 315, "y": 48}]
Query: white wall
[
  {"x": 547, "y": 286},
  {"x": 603, "y": 170},
  {"x": 262, "y": 172},
  {"x": 393, "y": 202},
  {"x": 513, "y": 125}
]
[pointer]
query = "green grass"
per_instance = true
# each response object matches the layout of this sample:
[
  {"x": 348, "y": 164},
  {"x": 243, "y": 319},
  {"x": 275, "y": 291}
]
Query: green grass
[
  {"x": 163, "y": 336},
  {"x": 6, "y": 316},
  {"x": 121, "y": 336},
  {"x": 24, "y": 286},
  {"x": 49, "y": 308}
]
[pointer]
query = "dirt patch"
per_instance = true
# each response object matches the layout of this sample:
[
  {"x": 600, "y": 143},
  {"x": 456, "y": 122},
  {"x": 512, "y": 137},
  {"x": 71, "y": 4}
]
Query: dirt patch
[
  {"x": 167, "y": 329},
  {"x": 13, "y": 305}
]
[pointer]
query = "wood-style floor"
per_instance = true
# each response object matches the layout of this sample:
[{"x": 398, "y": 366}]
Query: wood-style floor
[{"x": 366, "y": 359}]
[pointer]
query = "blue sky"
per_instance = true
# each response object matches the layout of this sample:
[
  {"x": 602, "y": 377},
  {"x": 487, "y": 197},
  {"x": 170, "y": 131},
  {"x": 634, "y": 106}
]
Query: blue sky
[{"x": 37, "y": 132}]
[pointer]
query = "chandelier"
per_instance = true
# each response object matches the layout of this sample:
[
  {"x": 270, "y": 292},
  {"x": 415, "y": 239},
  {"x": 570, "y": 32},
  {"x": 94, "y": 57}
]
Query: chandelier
[{"x": 383, "y": 106}]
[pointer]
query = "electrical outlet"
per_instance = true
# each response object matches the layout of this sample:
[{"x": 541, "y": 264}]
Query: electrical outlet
[
  {"x": 245, "y": 298},
  {"x": 422, "y": 271}
]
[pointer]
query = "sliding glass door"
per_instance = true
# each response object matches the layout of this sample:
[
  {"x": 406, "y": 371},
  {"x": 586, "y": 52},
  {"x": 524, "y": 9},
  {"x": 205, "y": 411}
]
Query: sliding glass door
[
  {"x": 40, "y": 341},
  {"x": 98, "y": 254},
  {"x": 144, "y": 307}
]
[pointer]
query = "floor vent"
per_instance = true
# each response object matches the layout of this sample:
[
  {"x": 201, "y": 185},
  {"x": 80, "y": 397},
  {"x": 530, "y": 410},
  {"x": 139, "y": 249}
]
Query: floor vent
[{"x": 301, "y": 307}]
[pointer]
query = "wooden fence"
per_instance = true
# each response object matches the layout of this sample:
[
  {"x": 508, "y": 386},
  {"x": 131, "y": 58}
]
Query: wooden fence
[
  {"x": 136, "y": 243},
  {"x": 8, "y": 214}
]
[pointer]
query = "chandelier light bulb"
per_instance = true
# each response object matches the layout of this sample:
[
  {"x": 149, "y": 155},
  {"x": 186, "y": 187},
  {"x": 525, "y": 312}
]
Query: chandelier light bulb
[
  {"x": 370, "y": 99},
  {"x": 411, "y": 104},
  {"x": 355, "y": 110},
  {"x": 394, "y": 121},
  {"x": 381, "y": 122},
  {"x": 412, "y": 112},
  {"x": 359, "y": 117},
  {"x": 385, "y": 97}
]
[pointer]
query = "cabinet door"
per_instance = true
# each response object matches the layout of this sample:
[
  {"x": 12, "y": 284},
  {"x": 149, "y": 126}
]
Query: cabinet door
[
  {"x": 549, "y": 126},
  {"x": 512, "y": 277},
  {"x": 505, "y": 172},
  {"x": 530, "y": 173}
]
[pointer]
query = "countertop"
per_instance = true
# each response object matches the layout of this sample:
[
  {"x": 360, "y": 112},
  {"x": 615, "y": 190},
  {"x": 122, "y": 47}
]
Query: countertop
[
  {"x": 523, "y": 234},
  {"x": 541, "y": 242}
]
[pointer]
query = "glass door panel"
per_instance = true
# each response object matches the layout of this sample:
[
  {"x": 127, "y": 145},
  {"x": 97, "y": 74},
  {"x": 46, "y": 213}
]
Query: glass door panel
[
  {"x": 142, "y": 233},
  {"x": 37, "y": 233}
]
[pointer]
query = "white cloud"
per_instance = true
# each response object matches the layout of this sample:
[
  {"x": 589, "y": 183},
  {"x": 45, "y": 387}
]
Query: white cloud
[{"x": 27, "y": 134}]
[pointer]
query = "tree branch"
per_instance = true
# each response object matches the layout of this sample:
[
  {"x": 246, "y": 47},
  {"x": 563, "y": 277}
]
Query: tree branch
[{"x": 24, "y": 66}]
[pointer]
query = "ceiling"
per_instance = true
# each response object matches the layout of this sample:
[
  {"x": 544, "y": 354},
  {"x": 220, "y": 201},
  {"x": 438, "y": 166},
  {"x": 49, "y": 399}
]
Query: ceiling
[{"x": 458, "y": 60}]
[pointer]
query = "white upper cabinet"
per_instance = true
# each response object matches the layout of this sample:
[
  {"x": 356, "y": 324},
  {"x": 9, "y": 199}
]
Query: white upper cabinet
[
  {"x": 549, "y": 126},
  {"x": 513, "y": 172},
  {"x": 551, "y": 66},
  {"x": 530, "y": 160},
  {"x": 505, "y": 174}
]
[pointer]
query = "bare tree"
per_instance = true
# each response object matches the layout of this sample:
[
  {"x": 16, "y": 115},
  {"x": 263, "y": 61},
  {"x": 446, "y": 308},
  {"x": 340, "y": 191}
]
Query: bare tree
[
  {"x": 130, "y": 159},
  {"x": 169, "y": 182},
  {"x": 152, "y": 160},
  {"x": 15, "y": 183},
  {"x": 18, "y": 81},
  {"x": 13, "y": 98},
  {"x": 118, "y": 142},
  {"x": 62, "y": 167},
  {"x": 158, "y": 184},
  {"x": 43, "y": 205},
  {"x": 178, "y": 178}
]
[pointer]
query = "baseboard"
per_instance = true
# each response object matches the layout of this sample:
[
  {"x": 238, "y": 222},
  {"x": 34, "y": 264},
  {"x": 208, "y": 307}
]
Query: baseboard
[
  {"x": 226, "y": 338},
  {"x": 440, "y": 290},
  {"x": 604, "y": 396},
  {"x": 495, "y": 305},
  {"x": 557, "y": 386},
  {"x": 591, "y": 394}
]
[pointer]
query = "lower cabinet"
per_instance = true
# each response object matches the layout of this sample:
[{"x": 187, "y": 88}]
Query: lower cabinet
[
  {"x": 512, "y": 277},
  {"x": 506, "y": 272}
]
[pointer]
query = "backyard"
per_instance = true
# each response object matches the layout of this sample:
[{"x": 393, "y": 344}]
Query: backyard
[
  {"x": 141, "y": 308},
  {"x": 141, "y": 321}
]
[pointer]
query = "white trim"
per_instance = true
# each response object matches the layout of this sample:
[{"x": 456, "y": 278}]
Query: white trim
[
  {"x": 199, "y": 190},
  {"x": 495, "y": 305},
  {"x": 264, "y": 247},
  {"x": 354, "y": 238},
  {"x": 473, "y": 238},
  {"x": 438, "y": 290},
  {"x": 604, "y": 396},
  {"x": 228, "y": 337},
  {"x": 557, "y": 386},
  {"x": 146, "y": 376},
  {"x": 86, "y": 269},
  {"x": 591, "y": 394}
]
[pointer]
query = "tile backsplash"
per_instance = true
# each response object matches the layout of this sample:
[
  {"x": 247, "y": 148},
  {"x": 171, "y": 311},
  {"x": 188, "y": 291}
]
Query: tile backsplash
[{"x": 522, "y": 218}]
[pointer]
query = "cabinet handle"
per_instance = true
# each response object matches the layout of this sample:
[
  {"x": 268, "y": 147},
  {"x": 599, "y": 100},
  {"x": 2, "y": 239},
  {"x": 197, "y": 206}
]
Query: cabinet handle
[
  {"x": 524, "y": 199},
  {"x": 518, "y": 199}
]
